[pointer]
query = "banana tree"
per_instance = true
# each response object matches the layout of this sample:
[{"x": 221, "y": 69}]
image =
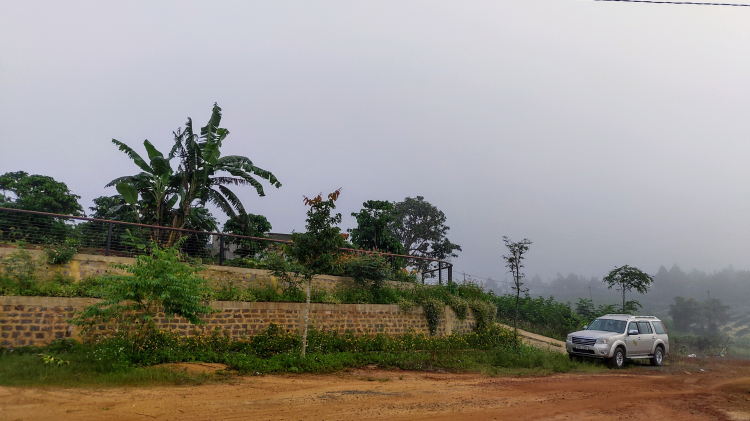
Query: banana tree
[
  {"x": 154, "y": 183},
  {"x": 201, "y": 176}
]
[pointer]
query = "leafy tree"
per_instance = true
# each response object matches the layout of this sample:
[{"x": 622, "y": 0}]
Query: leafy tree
[
  {"x": 627, "y": 278},
  {"x": 375, "y": 224},
  {"x": 248, "y": 225},
  {"x": 159, "y": 281},
  {"x": 685, "y": 313},
  {"x": 421, "y": 230},
  {"x": 514, "y": 262},
  {"x": 38, "y": 193},
  {"x": 715, "y": 314},
  {"x": 585, "y": 308},
  {"x": 315, "y": 250},
  {"x": 699, "y": 317},
  {"x": 41, "y": 194}
]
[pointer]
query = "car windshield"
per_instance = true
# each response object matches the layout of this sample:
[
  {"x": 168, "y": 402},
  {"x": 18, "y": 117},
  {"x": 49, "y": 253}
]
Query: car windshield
[{"x": 608, "y": 325}]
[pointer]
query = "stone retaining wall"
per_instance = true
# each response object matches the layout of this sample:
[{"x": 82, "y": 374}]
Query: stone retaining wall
[
  {"x": 84, "y": 265},
  {"x": 40, "y": 320}
]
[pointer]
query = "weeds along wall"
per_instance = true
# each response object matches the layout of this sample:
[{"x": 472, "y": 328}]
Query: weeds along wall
[
  {"x": 40, "y": 320},
  {"x": 84, "y": 265}
]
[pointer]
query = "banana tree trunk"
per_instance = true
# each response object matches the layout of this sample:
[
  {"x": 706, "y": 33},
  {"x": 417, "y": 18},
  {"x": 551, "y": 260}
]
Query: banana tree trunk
[{"x": 175, "y": 236}]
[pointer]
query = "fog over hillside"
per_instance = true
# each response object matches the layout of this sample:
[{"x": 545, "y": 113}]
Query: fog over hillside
[{"x": 729, "y": 285}]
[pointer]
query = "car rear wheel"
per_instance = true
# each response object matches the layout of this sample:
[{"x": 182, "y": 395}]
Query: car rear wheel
[
  {"x": 618, "y": 359},
  {"x": 658, "y": 357}
]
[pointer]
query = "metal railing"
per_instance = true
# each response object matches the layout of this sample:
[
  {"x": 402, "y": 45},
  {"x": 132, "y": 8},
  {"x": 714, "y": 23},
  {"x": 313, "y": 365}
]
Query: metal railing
[{"x": 120, "y": 238}]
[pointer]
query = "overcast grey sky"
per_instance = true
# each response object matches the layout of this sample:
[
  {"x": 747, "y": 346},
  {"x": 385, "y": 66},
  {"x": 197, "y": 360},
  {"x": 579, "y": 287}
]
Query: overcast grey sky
[{"x": 607, "y": 133}]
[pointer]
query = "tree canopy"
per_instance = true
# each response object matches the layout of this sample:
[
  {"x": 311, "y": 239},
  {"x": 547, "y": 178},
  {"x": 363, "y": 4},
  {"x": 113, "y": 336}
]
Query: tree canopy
[
  {"x": 39, "y": 193},
  {"x": 248, "y": 225},
  {"x": 422, "y": 231},
  {"x": 316, "y": 248},
  {"x": 690, "y": 315},
  {"x": 627, "y": 278},
  {"x": 375, "y": 224}
]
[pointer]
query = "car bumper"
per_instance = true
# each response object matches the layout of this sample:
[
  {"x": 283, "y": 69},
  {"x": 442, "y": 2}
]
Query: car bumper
[{"x": 595, "y": 351}]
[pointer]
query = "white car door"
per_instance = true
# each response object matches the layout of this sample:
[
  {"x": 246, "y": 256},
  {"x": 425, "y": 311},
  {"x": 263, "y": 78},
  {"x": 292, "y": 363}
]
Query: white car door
[
  {"x": 648, "y": 337},
  {"x": 633, "y": 340}
]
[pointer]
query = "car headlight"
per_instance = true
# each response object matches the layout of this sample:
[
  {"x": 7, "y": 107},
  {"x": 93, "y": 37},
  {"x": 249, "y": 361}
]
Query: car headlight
[
  {"x": 570, "y": 338},
  {"x": 602, "y": 341}
]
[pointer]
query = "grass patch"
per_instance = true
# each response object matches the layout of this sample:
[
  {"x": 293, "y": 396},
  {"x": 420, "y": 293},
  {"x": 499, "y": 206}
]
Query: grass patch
[
  {"x": 30, "y": 370},
  {"x": 115, "y": 361}
]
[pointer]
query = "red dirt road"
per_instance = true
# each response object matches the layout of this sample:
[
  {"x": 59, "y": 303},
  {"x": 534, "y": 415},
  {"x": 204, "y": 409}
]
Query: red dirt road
[{"x": 721, "y": 392}]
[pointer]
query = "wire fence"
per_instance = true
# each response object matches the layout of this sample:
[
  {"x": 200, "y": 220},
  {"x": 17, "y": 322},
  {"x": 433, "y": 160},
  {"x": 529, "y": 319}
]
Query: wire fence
[{"x": 126, "y": 239}]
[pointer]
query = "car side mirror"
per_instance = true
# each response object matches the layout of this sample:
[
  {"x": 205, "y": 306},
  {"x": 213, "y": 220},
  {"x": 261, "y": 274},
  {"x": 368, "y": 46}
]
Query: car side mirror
[
  {"x": 585, "y": 327},
  {"x": 633, "y": 332}
]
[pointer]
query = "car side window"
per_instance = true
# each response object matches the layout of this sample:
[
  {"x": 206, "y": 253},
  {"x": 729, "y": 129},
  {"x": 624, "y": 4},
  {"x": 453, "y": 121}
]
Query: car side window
[
  {"x": 659, "y": 328},
  {"x": 645, "y": 327},
  {"x": 633, "y": 326}
]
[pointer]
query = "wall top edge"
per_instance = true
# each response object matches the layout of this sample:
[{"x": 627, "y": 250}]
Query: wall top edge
[{"x": 219, "y": 305}]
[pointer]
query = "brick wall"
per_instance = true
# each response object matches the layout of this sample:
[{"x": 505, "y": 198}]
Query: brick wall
[{"x": 40, "y": 320}]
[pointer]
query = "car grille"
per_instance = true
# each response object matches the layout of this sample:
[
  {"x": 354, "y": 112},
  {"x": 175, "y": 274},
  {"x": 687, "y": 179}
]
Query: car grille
[
  {"x": 577, "y": 340},
  {"x": 584, "y": 351}
]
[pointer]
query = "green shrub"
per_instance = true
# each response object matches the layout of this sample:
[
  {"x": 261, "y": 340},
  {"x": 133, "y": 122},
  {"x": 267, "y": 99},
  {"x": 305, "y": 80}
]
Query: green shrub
[
  {"x": 471, "y": 291},
  {"x": 539, "y": 315},
  {"x": 484, "y": 314},
  {"x": 367, "y": 270},
  {"x": 403, "y": 275},
  {"x": 405, "y": 305},
  {"x": 229, "y": 292},
  {"x": 58, "y": 254},
  {"x": 460, "y": 307},
  {"x": 158, "y": 281},
  {"x": 433, "y": 311},
  {"x": 19, "y": 273}
]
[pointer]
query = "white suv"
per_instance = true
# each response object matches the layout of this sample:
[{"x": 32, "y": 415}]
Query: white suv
[{"x": 618, "y": 337}]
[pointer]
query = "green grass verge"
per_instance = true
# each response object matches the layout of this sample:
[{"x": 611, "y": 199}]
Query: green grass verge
[
  {"x": 30, "y": 370},
  {"x": 84, "y": 370}
]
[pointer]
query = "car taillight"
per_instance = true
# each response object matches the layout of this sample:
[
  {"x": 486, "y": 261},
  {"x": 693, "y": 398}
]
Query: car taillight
[{"x": 665, "y": 328}]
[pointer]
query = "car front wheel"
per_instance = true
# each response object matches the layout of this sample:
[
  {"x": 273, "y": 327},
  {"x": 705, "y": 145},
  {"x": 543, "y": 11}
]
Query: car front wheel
[
  {"x": 618, "y": 359},
  {"x": 658, "y": 357}
]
